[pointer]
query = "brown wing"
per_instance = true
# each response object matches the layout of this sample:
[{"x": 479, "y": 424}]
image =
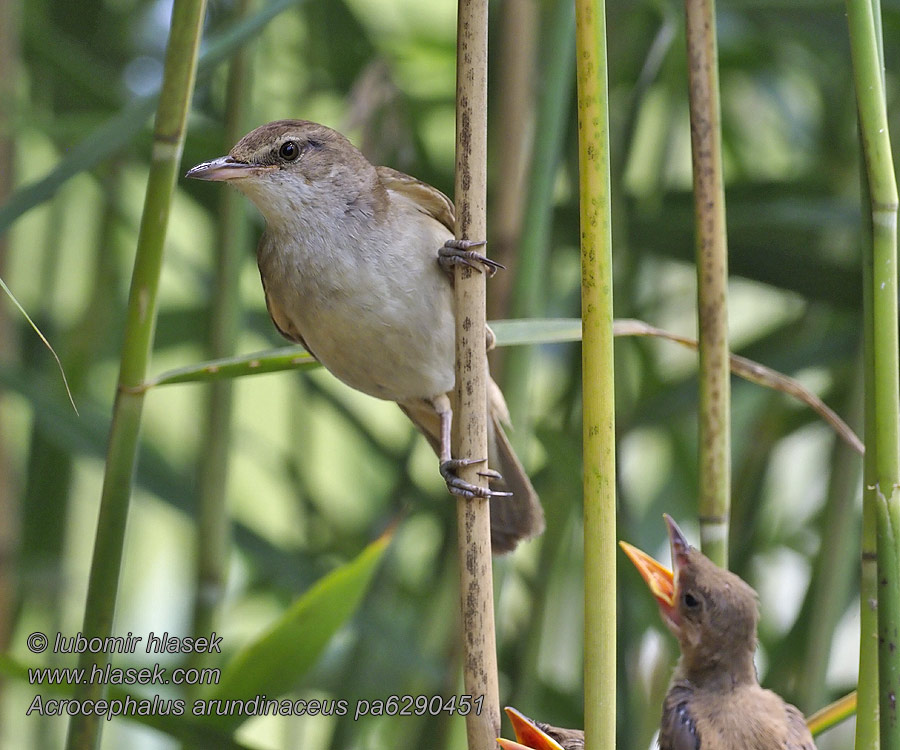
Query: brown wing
[
  {"x": 678, "y": 730},
  {"x": 429, "y": 200},
  {"x": 282, "y": 322}
]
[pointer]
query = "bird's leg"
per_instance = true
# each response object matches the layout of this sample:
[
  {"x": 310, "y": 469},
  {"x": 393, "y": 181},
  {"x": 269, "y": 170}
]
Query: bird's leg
[
  {"x": 460, "y": 252},
  {"x": 449, "y": 465}
]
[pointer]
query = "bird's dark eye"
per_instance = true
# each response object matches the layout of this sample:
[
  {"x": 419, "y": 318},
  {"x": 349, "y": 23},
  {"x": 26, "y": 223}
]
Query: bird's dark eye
[
  {"x": 289, "y": 150},
  {"x": 690, "y": 601}
]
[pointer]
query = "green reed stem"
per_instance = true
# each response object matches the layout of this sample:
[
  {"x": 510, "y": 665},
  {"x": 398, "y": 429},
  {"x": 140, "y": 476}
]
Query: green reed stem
[
  {"x": 598, "y": 377},
  {"x": 882, "y": 481},
  {"x": 168, "y": 140}
]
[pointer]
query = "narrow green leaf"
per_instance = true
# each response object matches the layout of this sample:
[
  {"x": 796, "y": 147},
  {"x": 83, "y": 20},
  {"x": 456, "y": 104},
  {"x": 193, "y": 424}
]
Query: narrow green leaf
[
  {"x": 833, "y": 714},
  {"x": 256, "y": 363},
  {"x": 508, "y": 333},
  {"x": 536, "y": 331},
  {"x": 107, "y": 139},
  {"x": 277, "y": 660}
]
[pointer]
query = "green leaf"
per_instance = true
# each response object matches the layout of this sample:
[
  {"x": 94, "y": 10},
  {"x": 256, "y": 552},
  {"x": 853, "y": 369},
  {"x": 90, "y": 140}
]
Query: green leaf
[
  {"x": 536, "y": 331},
  {"x": 277, "y": 660},
  {"x": 256, "y": 363},
  {"x": 508, "y": 333}
]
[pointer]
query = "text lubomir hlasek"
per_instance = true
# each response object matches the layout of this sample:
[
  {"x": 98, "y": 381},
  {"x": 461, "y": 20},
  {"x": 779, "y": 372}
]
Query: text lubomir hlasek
[{"x": 128, "y": 644}]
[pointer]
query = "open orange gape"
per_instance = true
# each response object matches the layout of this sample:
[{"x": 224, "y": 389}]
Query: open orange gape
[
  {"x": 533, "y": 735},
  {"x": 662, "y": 582}
]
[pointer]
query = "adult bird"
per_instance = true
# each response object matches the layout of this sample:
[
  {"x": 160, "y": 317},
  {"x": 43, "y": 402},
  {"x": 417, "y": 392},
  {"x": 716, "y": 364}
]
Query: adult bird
[{"x": 354, "y": 265}]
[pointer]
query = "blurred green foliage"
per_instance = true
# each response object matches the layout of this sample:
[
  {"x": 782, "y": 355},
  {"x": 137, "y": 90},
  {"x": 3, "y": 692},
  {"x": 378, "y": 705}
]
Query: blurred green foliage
[{"x": 317, "y": 471}]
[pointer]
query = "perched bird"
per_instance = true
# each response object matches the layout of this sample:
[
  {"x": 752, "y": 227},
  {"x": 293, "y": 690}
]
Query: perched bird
[
  {"x": 535, "y": 735},
  {"x": 714, "y": 701},
  {"x": 354, "y": 264}
]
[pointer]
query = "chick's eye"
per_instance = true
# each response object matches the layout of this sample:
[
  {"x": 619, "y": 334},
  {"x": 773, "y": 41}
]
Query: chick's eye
[
  {"x": 690, "y": 601},
  {"x": 289, "y": 150}
]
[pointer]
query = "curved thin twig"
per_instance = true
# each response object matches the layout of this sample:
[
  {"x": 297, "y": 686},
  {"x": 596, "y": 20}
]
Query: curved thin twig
[{"x": 755, "y": 373}]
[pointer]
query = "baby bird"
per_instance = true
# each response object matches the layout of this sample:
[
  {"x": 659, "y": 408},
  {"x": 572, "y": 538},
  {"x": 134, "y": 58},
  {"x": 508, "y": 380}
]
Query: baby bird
[
  {"x": 535, "y": 735},
  {"x": 715, "y": 701}
]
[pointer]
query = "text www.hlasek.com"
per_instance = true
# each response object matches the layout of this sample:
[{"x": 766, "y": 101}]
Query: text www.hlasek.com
[{"x": 110, "y": 675}]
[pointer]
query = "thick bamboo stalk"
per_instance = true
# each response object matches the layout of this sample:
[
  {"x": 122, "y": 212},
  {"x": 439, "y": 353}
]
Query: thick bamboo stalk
[
  {"x": 597, "y": 377},
  {"x": 168, "y": 141},
  {"x": 470, "y": 419},
  {"x": 712, "y": 280},
  {"x": 882, "y": 479},
  {"x": 867, "y": 715}
]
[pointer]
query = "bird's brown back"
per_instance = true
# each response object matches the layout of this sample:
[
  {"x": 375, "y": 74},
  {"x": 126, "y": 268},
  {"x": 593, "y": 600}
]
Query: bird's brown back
[{"x": 746, "y": 718}]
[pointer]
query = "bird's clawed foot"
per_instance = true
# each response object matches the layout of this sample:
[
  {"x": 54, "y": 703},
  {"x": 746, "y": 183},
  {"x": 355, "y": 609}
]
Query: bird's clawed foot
[
  {"x": 460, "y": 252},
  {"x": 461, "y": 487}
]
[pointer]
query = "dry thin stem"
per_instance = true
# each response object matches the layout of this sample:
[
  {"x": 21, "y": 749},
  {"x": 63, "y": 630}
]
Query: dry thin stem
[
  {"x": 754, "y": 372},
  {"x": 712, "y": 280},
  {"x": 470, "y": 418},
  {"x": 515, "y": 98}
]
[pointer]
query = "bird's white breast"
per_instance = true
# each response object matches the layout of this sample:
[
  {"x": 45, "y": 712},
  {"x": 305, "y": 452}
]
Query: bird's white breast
[{"x": 369, "y": 298}]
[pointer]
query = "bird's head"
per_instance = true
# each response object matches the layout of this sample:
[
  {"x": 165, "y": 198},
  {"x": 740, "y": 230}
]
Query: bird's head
[
  {"x": 711, "y": 611},
  {"x": 289, "y": 167}
]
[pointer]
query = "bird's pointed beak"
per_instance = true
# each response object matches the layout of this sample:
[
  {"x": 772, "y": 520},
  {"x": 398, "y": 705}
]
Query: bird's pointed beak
[
  {"x": 678, "y": 543},
  {"x": 528, "y": 736},
  {"x": 225, "y": 168},
  {"x": 659, "y": 579}
]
